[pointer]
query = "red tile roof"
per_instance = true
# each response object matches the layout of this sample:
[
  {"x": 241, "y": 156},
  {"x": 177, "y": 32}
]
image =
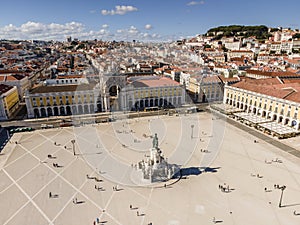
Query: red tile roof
[
  {"x": 155, "y": 82},
  {"x": 4, "y": 88},
  {"x": 271, "y": 87},
  {"x": 271, "y": 74}
]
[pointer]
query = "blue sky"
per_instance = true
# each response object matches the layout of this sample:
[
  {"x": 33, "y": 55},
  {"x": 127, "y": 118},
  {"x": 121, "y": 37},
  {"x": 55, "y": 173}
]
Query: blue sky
[{"x": 137, "y": 19}]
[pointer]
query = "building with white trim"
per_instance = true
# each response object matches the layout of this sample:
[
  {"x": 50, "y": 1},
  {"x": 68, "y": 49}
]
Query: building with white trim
[
  {"x": 267, "y": 98},
  {"x": 61, "y": 100},
  {"x": 151, "y": 91}
]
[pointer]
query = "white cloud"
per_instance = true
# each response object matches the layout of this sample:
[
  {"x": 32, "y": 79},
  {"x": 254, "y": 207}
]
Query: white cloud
[
  {"x": 54, "y": 31},
  {"x": 148, "y": 26},
  {"x": 195, "y": 3},
  {"x": 133, "y": 30},
  {"x": 119, "y": 10}
]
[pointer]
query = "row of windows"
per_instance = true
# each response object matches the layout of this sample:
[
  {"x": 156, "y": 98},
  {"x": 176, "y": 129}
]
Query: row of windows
[
  {"x": 61, "y": 97},
  {"x": 260, "y": 104},
  {"x": 147, "y": 93},
  {"x": 63, "y": 81},
  {"x": 233, "y": 96},
  {"x": 62, "y": 103}
]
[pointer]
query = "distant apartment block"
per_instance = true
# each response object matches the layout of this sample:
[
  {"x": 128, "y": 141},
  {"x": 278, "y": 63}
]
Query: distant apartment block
[{"x": 18, "y": 80}]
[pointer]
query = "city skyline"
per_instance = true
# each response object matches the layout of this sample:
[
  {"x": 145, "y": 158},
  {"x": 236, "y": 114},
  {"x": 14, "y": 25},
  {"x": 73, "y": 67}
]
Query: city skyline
[{"x": 136, "y": 20}]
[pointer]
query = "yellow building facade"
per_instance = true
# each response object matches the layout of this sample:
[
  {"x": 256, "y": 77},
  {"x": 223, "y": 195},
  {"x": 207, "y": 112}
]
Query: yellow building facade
[
  {"x": 275, "y": 108},
  {"x": 155, "y": 92},
  {"x": 9, "y": 101},
  {"x": 61, "y": 100}
]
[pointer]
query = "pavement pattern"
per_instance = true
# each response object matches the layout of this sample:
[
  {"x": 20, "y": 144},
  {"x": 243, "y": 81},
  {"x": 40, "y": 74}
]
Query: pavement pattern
[{"x": 228, "y": 175}]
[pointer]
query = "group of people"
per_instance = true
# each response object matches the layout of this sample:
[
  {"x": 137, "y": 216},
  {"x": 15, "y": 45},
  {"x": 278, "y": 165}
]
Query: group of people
[
  {"x": 75, "y": 201},
  {"x": 224, "y": 188},
  {"x": 115, "y": 188},
  {"x": 277, "y": 186},
  {"x": 99, "y": 188},
  {"x": 55, "y": 165},
  {"x": 137, "y": 212}
]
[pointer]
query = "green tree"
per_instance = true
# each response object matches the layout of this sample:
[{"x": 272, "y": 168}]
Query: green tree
[{"x": 296, "y": 36}]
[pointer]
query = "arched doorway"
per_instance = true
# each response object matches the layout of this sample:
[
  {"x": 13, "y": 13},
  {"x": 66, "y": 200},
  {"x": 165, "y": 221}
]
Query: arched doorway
[
  {"x": 74, "y": 110},
  {"x": 161, "y": 102},
  {"x": 142, "y": 104},
  {"x": 62, "y": 111},
  {"x": 99, "y": 107},
  {"x": 151, "y": 102},
  {"x": 36, "y": 113},
  {"x": 114, "y": 91},
  {"x": 80, "y": 110},
  {"x": 92, "y": 108},
  {"x": 146, "y": 103},
  {"x": 286, "y": 121},
  {"x": 68, "y": 109},
  {"x": 165, "y": 103},
  {"x": 55, "y": 109},
  {"x": 49, "y": 111},
  {"x": 43, "y": 112},
  {"x": 86, "y": 109}
]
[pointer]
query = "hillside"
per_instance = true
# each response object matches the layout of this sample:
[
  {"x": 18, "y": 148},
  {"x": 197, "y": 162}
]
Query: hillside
[{"x": 261, "y": 31}]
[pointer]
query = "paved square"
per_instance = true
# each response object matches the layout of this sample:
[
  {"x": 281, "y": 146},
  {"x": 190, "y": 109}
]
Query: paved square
[{"x": 81, "y": 188}]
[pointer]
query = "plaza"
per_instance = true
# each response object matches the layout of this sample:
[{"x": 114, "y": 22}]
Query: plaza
[{"x": 95, "y": 177}]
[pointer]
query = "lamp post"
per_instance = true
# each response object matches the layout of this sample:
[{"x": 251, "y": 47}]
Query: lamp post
[
  {"x": 73, "y": 142},
  {"x": 282, "y": 189},
  {"x": 192, "y": 126}
]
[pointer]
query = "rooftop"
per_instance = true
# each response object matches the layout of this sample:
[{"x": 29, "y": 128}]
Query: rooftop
[
  {"x": 272, "y": 87},
  {"x": 154, "y": 81},
  {"x": 4, "y": 88},
  {"x": 62, "y": 88}
]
